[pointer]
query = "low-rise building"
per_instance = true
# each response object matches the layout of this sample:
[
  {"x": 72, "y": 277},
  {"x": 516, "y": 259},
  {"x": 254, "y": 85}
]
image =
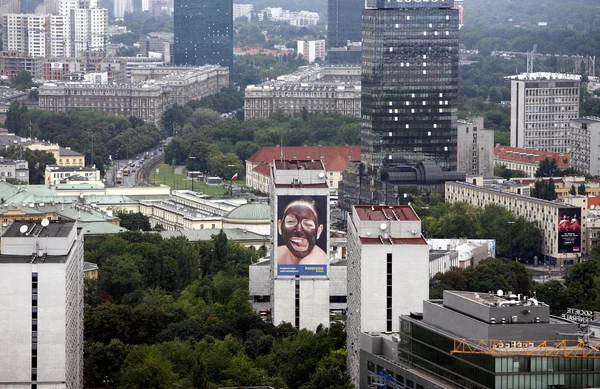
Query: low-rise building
[
  {"x": 440, "y": 261},
  {"x": 480, "y": 340},
  {"x": 527, "y": 160},
  {"x": 547, "y": 215},
  {"x": 55, "y": 174},
  {"x": 64, "y": 156},
  {"x": 335, "y": 159},
  {"x": 15, "y": 169},
  {"x": 329, "y": 89}
]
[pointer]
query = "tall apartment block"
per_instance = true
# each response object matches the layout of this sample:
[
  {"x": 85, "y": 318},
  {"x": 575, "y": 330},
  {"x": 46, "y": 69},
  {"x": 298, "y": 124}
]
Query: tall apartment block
[
  {"x": 204, "y": 32},
  {"x": 300, "y": 247},
  {"x": 388, "y": 273},
  {"x": 344, "y": 30},
  {"x": 41, "y": 305},
  {"x": 409, "y": 83},
  {"x": 35, "y": 35},
  {"x": 585, "y": 145},
  {"x": 541, "y": 108},
  {"x": 475, "y": 147},
  {"x": 311, "y": 50}
]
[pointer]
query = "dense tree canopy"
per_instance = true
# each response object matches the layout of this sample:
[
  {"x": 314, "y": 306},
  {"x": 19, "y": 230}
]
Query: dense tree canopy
[
  {"x": 207, "y": 142},
  {"x": 489, "y": 275},
  {"x": 167, "y": 313},
  {"x": 515, "y": 237},
  {"x": 90, "y": 132}
]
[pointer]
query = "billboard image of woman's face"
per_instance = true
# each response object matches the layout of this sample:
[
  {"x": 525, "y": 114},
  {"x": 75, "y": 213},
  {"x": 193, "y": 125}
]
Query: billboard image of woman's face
[{"x": 302, "y": 235}]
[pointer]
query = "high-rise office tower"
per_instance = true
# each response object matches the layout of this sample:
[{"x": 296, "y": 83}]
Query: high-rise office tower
[
  {"x": 344, "y": 31},
  {"x": 204, "y": 32},
  {"x": 409, "y": 103},
  {"x": 41, "y": 305},
  {"x": 409, "y": 83}
]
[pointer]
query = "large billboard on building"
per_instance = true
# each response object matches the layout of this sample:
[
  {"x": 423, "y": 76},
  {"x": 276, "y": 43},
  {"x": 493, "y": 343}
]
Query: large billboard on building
[
  {"x": 56, "y": 66},
  {"x": 301, "y": 235},
  {"x": 569, "y": 230}
]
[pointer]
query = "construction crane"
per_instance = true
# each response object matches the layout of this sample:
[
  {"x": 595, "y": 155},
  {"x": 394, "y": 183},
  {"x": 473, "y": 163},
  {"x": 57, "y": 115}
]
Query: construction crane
[
  {"x": 384, "y": 378},
  {"x": 538, "y": 348}
]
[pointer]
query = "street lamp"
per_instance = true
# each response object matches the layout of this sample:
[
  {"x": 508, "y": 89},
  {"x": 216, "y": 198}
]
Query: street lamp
[{"x": 510, "y": 238}]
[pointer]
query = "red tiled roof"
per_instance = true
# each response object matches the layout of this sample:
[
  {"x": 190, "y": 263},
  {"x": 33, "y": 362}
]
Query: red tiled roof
[
  {"x": 383, "y": 213},
  {"x": 335, "y": 158},
  {"x": 505, "y": 153},
  {"x": 263, "y": 168},
  {"x": 419, "y": 240}
]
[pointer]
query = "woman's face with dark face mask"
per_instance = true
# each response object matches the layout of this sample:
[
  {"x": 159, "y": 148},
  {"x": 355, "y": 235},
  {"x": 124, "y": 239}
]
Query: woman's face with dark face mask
[{"x": 300, "y": 229}]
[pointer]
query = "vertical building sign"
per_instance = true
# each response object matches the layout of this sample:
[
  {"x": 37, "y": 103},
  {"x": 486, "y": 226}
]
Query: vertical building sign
[
  {"x": 569, "y": 230},
  {"x": 301, "y": 235}
]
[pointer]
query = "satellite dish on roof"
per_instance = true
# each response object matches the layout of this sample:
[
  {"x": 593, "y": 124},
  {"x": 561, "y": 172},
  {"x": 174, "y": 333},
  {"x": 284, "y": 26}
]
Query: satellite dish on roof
[
  {"x": 592, "y": 206},
  {"x": 500, "y": 292},
  {"x": 23, "y": 229},
  {"x": 45, "y": 223},
  {"x": 321, "y": 175},
  {"x": 383, "y": 226}
]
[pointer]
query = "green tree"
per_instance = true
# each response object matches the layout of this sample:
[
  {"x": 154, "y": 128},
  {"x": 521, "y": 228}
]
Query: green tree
[
  {"x": 506, "y": 173},
  {"x": 544, "y": 189},
  {"x": 22, "y": 80},
  {"x": 555, "y": 294},
  {"x": 331, "y": 373},
  {"x": 573, "y": 190},
  {"x": 102, "y": 362},
  {"x": 581, "y": 189},
  {"x": 134, "y": 221},
  {"x": 120, "y": 276},
  {"x": 225, "y": 165},
  {"x": 146, "y": 368},
  {"x": 16, "y": 117},
  {"x": 547, "y": 168}
]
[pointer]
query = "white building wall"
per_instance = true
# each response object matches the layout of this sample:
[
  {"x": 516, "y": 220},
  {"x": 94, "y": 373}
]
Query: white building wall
[
  {"x": 52, "y": 322},
  {"x": 314, "y": 303},
  {"x": 283, "y": 300},
  {"x": 15, "y": 319}
]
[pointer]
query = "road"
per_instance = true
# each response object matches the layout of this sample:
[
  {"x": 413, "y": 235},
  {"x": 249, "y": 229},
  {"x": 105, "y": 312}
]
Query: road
[{"x": 118, "y": 166}]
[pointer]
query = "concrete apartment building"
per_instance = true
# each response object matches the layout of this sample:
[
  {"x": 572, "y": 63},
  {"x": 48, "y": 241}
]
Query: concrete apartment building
[
  {"x": 480, "y": 340},
  {"x": 541, "y": 108},
  {"x": 35, "y": 35},
  {"x": 545, "y": 214},
  {"x": 15, "y": 169},
  {"x": 388, "y": 273},
  {"x": 157, "y": 91},
  {"x": 585, "y": 145},
  {"x": 475, "y": 147},
  {"x": 242, "y": 10},
  {"x": 527, "y": 160},
  {"x": 311, "y": 50},
  {"x": 41, "y": 307},
  {"x": 334, "y": 158},
  {"x": 329, "y": 89}
]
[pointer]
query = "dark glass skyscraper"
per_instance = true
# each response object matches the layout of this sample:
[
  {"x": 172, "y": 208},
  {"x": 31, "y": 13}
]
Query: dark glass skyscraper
[
  {"x": 203, "y": 32},
  {"x": 409, "y": 83},
  {"x": 344, "y": 25},
  {"x": 344, "y": 21}
]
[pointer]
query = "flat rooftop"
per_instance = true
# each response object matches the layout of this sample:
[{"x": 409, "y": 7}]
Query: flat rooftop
[
  {"x": 488, "y": 299},
  {"x": 299, "y": 164},
  {"x": 36, "y": 230},
  {"x": 385, "y": 213}
]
